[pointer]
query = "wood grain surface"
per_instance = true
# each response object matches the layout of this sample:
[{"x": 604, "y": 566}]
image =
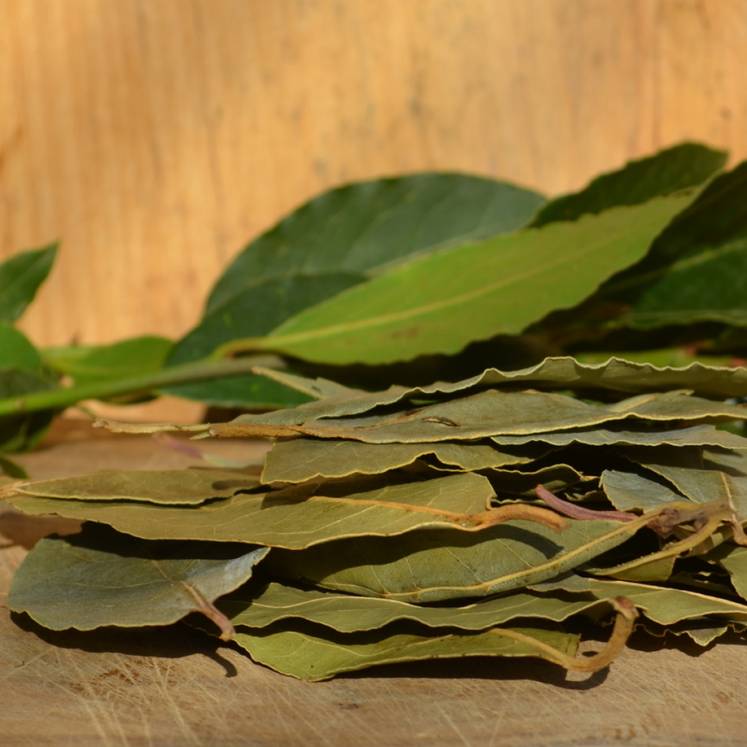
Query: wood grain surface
[
  {"x": 172, "y": 689},
  {"x": 154, "y": 137}
]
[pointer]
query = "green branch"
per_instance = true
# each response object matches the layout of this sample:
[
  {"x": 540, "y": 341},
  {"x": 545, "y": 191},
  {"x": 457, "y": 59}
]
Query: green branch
[{"x": 57, "y": 399}]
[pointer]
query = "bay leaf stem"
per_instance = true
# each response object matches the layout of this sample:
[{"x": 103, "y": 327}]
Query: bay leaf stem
[{"x": 58, "y": 399}]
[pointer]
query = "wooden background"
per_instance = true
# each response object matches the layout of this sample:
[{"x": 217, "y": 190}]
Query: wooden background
[{"x": 154, "y": 137}]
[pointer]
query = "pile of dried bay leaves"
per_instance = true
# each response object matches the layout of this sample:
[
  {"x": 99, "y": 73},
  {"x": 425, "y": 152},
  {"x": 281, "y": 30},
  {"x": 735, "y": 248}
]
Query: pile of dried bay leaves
[{"x": 478, "y": 518}]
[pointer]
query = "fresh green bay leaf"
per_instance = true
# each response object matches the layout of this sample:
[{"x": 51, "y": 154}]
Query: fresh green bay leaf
[
  {"x": 367, "y": 226},
  {"x": 20, "y": 278},
  {"x": 92, "y": 363},
  {"x": 707, "y": 287},
  {"x": 11, "y": 469},
  {"x": 696, "y": 269},
  {"x": 338, "y": 240},
  {"x": 21, "y": 372},
  {"x": 17, "y": 352},
  {"x": 670, "y": 170},
  {"x": 239, "y": 392},
  {"x": 439, "y": 303}
]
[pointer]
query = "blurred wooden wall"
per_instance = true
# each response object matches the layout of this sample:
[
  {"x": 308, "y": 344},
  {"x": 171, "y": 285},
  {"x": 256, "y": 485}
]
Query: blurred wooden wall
[{"x": 154, "y": 137}]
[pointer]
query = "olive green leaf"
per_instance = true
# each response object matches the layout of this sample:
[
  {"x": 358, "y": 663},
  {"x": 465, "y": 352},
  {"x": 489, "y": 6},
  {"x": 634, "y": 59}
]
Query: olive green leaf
[
  {"x": 430, "y": 566},
  {"x": 318, "y": 656},
  {"x": 704, "y": 485},
  {"x": 524, "y": 481},
  {"x": 612, "y": 374},
  {"x": 299, "y": 460},
  {"x": 172, "y": 487},
  {"x": 296, "y": 517},
  {"x": 734, "y": 560},
  {"x": 712, "y": 476},
  {"x": 670, "y": 170},
  {"x": 489, "y": 413},
  {"x": 333, "y": 242},
  {"x": 20, "y": 278},
  {"x": 627, "y": 491},
  {"x": 440, "y": 303},
  {"x": 345, "y": 613},
  {"x": 733, "y": 462},
  {"x": 698, "y": 435},
  {"x": 302, "y": 459},
  {"x": 100, "y": 578},
  {"x": 663, "y": 605},
  {"x": 706, "y": 518},
  {"x": 704, "y": 633}
]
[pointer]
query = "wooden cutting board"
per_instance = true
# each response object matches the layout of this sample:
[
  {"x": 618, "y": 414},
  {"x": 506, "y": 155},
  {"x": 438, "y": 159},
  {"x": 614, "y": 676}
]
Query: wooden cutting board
[{"x": 132, "y": 689}]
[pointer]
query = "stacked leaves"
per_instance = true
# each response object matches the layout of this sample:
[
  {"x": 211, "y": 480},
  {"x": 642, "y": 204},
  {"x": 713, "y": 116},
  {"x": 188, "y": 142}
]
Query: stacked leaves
[
  {"x": 477, "y": 518},
  {"x": 413, "y": 277}
]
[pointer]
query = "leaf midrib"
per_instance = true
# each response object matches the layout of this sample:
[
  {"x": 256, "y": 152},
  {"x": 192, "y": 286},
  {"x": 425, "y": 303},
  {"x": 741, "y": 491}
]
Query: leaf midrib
[{"x": 586, "y": 248}]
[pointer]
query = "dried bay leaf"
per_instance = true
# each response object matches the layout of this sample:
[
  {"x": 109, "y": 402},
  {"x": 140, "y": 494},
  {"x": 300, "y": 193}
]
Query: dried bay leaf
[
  {"x": 524, "y": 481},
  {"x": 663, "y": 605},
  {"x": 101, "y": 578},
  {"x": 314, "y": 656},
  {"x": 347, "y": 613},
  {"x": 734, "y": 560},
  {"x": 706, "y": 519},
  {"x": 431, "y": 566},
  {"x": 702, "y": 486},
  {"x": 299, "y": 460},
  {"x": 175, "y": 487},
  {"x": 627, "y": 491},
  {"x": 296, "y": 517},
  {"x": 699, "y": 435},
  {"x": 561, "y": 372},
  {"x": 490, "y": 413},
  {"x": 696, "y": 483}
]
